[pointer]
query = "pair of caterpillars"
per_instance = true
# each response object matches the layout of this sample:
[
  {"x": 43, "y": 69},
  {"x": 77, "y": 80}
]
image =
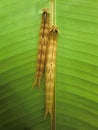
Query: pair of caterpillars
[{"x": 46, "y": 61}]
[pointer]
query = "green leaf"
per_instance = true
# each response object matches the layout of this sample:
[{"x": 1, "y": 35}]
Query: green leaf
[
  {"x": 21, "y": 106},
  {"x": 77, "y": 65}
]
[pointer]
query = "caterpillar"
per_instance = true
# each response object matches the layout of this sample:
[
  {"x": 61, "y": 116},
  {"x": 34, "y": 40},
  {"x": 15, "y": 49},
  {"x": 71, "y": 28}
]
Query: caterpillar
[
  {"x": 50, "y": 72},
  {"x": 42, "y": 49}
]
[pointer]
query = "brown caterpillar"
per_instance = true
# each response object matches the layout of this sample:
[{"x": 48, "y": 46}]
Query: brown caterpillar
[
  {"x": 43, "y": 41},
  {"x": 50, "y": 72}
]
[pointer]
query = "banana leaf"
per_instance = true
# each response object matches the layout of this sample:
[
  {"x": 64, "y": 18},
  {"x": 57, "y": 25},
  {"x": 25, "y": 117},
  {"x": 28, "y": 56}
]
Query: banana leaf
[{"x": 21, "y": 107}]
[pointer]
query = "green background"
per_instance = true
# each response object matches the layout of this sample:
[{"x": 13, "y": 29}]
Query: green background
[{"x": 76, "y": 71}]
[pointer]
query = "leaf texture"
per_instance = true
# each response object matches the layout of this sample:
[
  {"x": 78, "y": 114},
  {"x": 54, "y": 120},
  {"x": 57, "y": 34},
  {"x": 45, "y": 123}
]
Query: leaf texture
[{"x": 76, "y": 65}]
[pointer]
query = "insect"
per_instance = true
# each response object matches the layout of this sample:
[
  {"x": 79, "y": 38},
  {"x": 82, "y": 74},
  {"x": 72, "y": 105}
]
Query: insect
[
  {"x": 50, "y": 72},
  {"x": 42, "y": 49}
]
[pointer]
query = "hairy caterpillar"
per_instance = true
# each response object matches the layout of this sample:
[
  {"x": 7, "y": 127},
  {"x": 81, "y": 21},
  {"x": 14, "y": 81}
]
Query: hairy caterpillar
[
  {"x": 43, "y": 41},
  {"x": 50, "y": 72}
]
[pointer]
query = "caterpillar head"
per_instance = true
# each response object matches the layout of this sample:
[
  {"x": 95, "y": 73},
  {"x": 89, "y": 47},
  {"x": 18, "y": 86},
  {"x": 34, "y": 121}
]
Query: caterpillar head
[{"x": 54, "y": 28}]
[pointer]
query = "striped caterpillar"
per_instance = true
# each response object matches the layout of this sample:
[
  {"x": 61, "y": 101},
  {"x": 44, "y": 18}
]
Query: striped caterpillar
[
  {"x": 50, "y": 71},
  {"x": 43, "y": 41}
]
